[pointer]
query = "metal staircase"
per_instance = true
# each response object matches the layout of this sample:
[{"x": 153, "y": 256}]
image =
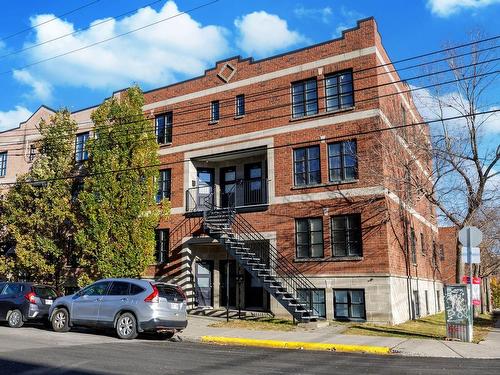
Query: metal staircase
[{"x": 277, "y": 274}]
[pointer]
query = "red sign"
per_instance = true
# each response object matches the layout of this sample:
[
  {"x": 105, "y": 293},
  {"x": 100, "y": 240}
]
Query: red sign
[{"x": 476, "y": 289}]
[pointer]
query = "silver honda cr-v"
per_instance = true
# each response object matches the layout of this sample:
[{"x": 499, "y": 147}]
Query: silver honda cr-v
[{"x": 129, "y": 306}]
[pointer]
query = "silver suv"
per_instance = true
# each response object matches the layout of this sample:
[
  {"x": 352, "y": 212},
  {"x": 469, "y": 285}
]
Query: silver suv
[{"x": 129, "y": 306}]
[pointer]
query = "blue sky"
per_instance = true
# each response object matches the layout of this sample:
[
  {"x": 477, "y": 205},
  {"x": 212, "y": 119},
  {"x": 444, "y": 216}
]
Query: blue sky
[{"x": 183, "y": 47}]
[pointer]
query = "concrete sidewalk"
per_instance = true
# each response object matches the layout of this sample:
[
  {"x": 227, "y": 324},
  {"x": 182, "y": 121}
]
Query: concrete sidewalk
[{"x": 490, "y": 348}]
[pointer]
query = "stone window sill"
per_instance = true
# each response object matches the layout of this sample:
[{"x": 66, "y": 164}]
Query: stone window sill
[
  {"x": 324, "y": 184},
  {"x": 323, "y": 114},
  {"x": 213, "y": 122}
]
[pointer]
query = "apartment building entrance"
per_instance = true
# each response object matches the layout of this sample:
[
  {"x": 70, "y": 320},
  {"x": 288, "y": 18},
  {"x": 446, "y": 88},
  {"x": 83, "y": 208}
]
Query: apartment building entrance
[{"x": 204, "y": 283}]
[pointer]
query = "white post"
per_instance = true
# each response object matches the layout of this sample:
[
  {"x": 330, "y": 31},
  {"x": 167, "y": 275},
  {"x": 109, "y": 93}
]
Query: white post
[{"x": 471, "y": 310}]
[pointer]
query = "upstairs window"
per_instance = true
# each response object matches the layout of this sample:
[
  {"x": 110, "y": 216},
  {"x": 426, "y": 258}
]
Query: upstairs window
[
  {"x": 307, "y": 168},
  {"x": 214, "y": 111},
  {"x": 81, "y": 153},
  {"x": 346, "y": 236},
  {"x": 304, "y": 98},
  {"x": 413, "y": 245},
  {"x": 240, "y": 105},
  {"x": 163, "y": 128},
  {"x": 32, "y": 154},
  {"x": 422, "y": 243},
  {"x": 162, "y": 237},
  {"x": 342, "y": 161},
  {"x": 339, "y": 91},
  {"x": 164, "y": 184},
  {"x": 3, "y": 164},
  {"x": 309, "y": 237}
]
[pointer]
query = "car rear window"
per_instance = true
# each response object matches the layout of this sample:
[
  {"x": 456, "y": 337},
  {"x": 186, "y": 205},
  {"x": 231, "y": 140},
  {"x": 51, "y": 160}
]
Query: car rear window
[
  {"x": 170, "y": 293},
  {"x": 12, "y": 289},
  {"x": 45, "y": 292}
]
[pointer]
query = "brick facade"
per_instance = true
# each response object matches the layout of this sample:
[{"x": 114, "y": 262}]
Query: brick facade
[{"x": 267, "y": 134}]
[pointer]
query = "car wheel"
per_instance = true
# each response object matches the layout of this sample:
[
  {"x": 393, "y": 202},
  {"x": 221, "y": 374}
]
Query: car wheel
[
  {"x": 60, "y": 320},
  {"x": 126, "y": 327},
  {"x": 15, "y": 319}
]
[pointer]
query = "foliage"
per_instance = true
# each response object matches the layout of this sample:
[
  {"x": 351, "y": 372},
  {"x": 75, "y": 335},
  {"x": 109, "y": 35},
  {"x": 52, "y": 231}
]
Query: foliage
[
  {"x": 39, "y": 217},
  {"x": 495, "y": 291},
  {"x": 118, "y": 209}
]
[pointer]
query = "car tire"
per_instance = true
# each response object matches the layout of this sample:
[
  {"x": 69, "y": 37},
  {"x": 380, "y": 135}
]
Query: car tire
[
  {"x": 15, "y": 319},
  {"x": 60, "y": 320},
  {"x": 126, "y": 326}
]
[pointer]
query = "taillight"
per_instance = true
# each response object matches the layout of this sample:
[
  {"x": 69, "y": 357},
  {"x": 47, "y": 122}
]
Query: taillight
[
  {"x": 181, "y": 292},
  {"x": 30, "y": 297},
  {"x": 153, "y": 297}
]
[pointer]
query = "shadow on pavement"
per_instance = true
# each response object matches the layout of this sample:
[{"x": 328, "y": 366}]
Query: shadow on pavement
[{"x": 17, "y": 367}]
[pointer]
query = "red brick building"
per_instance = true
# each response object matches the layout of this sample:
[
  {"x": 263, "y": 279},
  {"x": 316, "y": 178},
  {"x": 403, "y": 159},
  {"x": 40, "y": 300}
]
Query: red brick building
[{"x": 303, "y": 146}]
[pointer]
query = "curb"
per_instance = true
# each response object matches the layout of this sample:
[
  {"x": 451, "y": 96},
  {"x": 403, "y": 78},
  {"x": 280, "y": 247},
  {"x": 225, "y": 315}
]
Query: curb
[{"x": 296, "y": 345}]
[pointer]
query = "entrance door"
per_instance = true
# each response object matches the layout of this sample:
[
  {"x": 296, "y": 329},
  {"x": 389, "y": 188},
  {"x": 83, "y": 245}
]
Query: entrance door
[
  {"x": 254, "y": 293},
  {"x": 204, "y": 284},
  {"x": 253, "y": 186},
  {"x": 223, "y": 283},
  {"x": 227, "y": 185},
  {"x": 206, "y": 182}
]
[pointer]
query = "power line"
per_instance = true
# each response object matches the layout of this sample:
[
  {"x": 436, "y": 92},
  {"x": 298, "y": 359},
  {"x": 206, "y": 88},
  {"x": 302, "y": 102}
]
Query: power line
[
  {"x": 157, "y": 165},
  {"x": 106, "y": 20},
  {"x": 265, "y": 109},
  {"x": 49, "y": 20},
  {"x": 111, "y": 38}
]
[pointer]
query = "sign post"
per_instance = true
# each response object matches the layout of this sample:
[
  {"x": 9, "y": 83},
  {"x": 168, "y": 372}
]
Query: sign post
[{"x": 470, "y": 238}]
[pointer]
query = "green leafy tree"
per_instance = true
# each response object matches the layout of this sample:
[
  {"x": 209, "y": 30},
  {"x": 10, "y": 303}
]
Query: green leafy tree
[
  {"x": 117, "y": 205},
  {"x": 38, "y": 212}
]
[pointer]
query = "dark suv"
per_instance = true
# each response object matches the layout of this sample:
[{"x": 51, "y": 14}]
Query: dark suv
[{"x": 20, "y": 302}]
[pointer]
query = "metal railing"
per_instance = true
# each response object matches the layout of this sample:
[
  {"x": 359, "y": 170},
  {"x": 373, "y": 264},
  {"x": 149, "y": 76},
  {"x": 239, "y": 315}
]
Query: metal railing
[
  {"x": 242, "y": 193},
  {"x": 281, "y": 268}
]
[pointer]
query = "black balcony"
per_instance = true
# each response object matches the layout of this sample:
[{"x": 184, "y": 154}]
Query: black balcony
[{"x": 252, "y": 193}]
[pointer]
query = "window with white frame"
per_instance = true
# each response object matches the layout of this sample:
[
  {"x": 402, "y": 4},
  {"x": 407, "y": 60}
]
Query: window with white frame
[
  {"x": 240, "y": 105},
  {"x": 164, "y": 185},
  {"x": 3, "y": 164},
  {"x": 214, "y": 111},
  {"x": 81, "y": 153},
  {"x": 163, "y": 128}
]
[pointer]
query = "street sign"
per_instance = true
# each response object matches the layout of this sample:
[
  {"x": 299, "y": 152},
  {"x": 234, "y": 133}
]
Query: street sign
[
  {"x": 470, "y": 236},
  {"x": 473, "y": 257}
]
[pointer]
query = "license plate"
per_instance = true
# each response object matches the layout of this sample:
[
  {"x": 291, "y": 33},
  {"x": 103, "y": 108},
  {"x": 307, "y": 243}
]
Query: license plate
[
  {"x": 174, "y": 306},
  {"x": 48, "y": 302}
]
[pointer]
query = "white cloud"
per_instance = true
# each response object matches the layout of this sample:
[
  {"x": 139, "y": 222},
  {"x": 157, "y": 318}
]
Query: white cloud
[
  {"x": 261, "y": 34},
  {"x": 322, "y": 14},
  {"x": 153, "y": 56},
  {"x": 445, "y": 8},
  {"x": 11, "y": 119},
  {"x": 41, "y": 90},
  {"x": 348, "y": 19}
]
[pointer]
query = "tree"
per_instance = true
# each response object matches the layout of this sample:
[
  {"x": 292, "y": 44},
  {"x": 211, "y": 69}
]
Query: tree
[
  {"x": 463, "y": 175},
  {"x": 117, "y": 205},
  {"x": 37, "y": 214}
]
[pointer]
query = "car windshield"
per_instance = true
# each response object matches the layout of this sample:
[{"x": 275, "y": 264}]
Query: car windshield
[{"x": 45, "y": 292}]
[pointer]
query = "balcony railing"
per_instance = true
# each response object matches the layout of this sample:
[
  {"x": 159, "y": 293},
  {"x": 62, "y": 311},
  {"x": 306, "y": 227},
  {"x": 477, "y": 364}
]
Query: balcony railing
[{"x": 242, "y": 193}]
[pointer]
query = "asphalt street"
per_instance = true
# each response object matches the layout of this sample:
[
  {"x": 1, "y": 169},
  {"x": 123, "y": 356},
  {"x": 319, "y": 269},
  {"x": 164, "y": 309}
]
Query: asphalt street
[{"x": 32, "y": 350}]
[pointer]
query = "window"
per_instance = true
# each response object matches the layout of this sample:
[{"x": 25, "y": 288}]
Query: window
[
  {"x": 240, "y": 105},
  {"x": 339, "y": 91},
  {"x": 81, "y": 153},
  {"x": 163, "y": 128},
  {"x": 12, "y": 289},
  {"x": 416, "y": 305},
  {"x": 342, "y": 161},
  {"x": 438, "y": 300},
  {"x": 422, "y": 243},
  {"x": 214, "y": 111},
  {"x": 346, "y": 235},
  {"x": 162, "y": 237},
  {"x": 315, "y": 300},
  {"x": 97, "y": 289},
  {"x": 404, "y": 131},
  {"x": 119, "y": 288},
  {"x": 441, "y": 252},
  {"x": 307, "y": 168},
  {"x": 32, "y": 154},
  {"x": 426, "y": 294},
  {"x": 135, "y": 289},
  {"x": 3, "y": 164},
  {"x": 304, "y": 98},
  {"x": 408, "y": 186},
  {"x": 309, "y": 238},
  {"x": 349, "y": 304},
  {"x": 164, "y": 183},
  {"x": 413, "y": 245}
]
